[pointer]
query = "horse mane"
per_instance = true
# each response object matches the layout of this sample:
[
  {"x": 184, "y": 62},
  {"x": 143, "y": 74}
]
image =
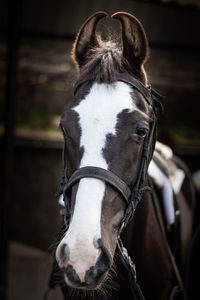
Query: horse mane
[{"x": 105, "y": 61}]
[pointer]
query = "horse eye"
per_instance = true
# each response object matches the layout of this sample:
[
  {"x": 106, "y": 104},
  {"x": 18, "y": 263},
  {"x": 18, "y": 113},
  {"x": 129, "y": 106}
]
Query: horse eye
[{"x": 140, "y": 133}]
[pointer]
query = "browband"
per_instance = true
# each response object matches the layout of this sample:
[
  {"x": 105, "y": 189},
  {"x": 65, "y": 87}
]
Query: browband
[{"x": 146, "y": 92}]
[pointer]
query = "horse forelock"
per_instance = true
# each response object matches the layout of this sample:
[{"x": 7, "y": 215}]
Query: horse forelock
[{"x": 106, "y": 60}]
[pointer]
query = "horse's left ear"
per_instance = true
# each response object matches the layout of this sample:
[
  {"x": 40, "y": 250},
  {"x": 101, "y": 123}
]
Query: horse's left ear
[
  {"x": 86, "y": 38},
  {"x": 135, "y": 44}
]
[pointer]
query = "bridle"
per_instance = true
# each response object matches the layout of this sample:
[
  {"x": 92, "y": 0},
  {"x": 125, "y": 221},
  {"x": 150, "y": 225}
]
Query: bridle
[{"x": 131, "y": 196}]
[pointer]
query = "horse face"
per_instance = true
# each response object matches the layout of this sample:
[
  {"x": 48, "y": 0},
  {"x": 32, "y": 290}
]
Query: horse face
[{"x": 105, "y": 128}]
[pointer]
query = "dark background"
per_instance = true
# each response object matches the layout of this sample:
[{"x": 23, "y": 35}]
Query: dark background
[{"x": 36, "y": 81}]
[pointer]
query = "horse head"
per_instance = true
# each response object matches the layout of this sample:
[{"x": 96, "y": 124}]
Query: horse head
[{"x": 105, "y": 126}]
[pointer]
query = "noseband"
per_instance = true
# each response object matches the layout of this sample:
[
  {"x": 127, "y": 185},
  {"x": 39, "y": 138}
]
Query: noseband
[{"x": 131, "y": 196}]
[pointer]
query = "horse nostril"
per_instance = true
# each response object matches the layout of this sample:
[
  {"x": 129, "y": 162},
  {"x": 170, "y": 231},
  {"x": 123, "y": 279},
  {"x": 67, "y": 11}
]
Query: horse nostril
[
  {"x": 105, "y": 256},
  {"x": 96, "y": 273},
  {"x": 67, "y": 252},
  {"x": 63, "y": 255},
  {"x": 72, "y": 275}
]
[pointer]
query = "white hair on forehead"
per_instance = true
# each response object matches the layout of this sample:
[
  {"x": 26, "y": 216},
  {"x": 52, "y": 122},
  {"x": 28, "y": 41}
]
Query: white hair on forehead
[{"x": 98, "y": 115}]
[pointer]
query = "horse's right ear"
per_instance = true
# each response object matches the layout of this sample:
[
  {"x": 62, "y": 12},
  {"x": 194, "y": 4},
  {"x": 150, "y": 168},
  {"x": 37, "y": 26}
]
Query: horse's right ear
[{"x": 86, "y": 38}]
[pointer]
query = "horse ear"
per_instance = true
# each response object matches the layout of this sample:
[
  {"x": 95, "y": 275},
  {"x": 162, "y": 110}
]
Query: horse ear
[
  {"x": 135, "y": 44},
  {"x": 86, "y": 38}
]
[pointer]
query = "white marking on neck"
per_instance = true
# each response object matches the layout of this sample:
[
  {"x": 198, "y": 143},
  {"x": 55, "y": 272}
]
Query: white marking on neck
[{"x": 98, "y": 116}]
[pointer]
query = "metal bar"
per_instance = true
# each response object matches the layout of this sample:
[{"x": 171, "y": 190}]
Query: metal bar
[{"x": 11, "y": 93}]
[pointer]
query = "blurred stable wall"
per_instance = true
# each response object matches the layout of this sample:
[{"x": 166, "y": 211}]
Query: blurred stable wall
[{"x": 45, "y": 84}]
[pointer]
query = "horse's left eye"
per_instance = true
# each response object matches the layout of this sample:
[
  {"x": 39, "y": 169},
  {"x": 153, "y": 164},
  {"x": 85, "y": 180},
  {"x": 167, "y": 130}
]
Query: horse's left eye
[{"x": 141, "y": 132}]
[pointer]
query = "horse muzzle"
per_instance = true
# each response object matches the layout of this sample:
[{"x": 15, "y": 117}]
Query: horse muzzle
[{"x": 80, "y": 274}]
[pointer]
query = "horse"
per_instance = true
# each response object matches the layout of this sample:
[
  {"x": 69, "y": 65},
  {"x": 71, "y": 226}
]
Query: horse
[{"x": 115, "y": 243}]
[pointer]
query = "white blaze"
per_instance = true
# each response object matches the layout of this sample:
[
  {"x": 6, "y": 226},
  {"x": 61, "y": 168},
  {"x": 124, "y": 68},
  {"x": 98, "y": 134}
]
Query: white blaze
[{"x": 98, "y": 114}]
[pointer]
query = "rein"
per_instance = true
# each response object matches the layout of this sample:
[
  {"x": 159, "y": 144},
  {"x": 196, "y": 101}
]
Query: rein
[{"x": 131, "y": 196}]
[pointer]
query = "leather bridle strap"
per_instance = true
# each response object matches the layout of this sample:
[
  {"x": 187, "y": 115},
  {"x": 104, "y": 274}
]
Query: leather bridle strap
[
  {"x": 102, "y": 174},
  {"x": 147, "y": 92}
]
